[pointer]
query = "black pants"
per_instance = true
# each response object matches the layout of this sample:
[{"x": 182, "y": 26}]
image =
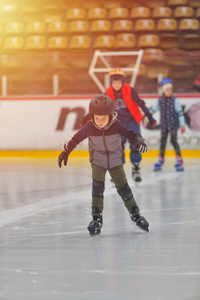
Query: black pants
[{"x": 173, "y": 140}]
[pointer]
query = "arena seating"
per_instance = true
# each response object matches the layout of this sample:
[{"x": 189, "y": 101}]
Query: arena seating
[
  {"x": 194, "y": 3},
  {"x": 75, "y": 14},
  {"x": 140, "y": 12},
  {"x": 183, "y": 12},
  {"x": 16, "y": 28},
  {"x": 103, "y": 42},
  {"x": 175, "y": 3},
  {"x": 59, "y": 28},
  {"x": 79, "y": 42},
  {"x": 122, "y": 26},
  {"x": 51, "y": 15},
  {"x": 148, "y": 41},
  {"x": 118, "y": 13},
  {"x": 97, "y": 13},
  {"x": 198, "y": 13},
  {"x": 125, "y": 41},
  {"x": 189, "y": 25},
  {"x": 153, "y": 55},
  {"x": 167, "y": 25},
  {"x": 146, "y": 25},
  {"x": 36, "y": 28},
  {"x": 36, "y": 42},
  {"x": 161, "y": 12},
  {"x": 79, "y": 27},
  {"x": 13, "y": 44},
  {"x": 100, "y": 26},
  {"x": 169, "y": 41},
  {"x": 23, "y": 18},
  {"x": 57, "y": 43}
]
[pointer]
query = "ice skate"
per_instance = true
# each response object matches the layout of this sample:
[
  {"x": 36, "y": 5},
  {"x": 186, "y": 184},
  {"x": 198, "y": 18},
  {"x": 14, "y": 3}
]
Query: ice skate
[
  {"x": 140, "y": 221},
  {"x": 159, "y": 164},
  {"x": 96, "y": 224},
  {"x": 135, "y": 173},
  {"x": 179, "y": 164}
]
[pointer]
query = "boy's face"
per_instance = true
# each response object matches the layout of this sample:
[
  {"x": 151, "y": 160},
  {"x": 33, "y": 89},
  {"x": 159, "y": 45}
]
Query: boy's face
[
  {"x": 168, "y": 91},
  {"x": 101, "y": 121},
  {"x": 117, "y": 84}
]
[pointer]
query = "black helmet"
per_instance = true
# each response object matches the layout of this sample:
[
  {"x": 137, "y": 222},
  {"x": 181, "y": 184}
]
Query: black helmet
[{"x": 102, "y": 105}]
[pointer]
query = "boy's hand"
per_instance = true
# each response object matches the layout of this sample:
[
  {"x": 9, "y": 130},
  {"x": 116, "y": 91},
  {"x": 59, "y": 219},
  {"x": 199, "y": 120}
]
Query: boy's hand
[
  {"x": 62, "y": 157},
  {"x": 137, "y": 141},
  {"x": 182, "y": 129},
  {"x": 141, "y": 146}
]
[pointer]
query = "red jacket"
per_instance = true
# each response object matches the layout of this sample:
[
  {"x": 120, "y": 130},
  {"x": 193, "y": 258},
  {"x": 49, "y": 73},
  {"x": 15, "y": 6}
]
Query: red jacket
[{"x": 130, "y": 103}]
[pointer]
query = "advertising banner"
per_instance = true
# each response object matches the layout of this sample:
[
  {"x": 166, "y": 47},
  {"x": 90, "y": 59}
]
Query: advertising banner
[{"x": 49, "y": 123}]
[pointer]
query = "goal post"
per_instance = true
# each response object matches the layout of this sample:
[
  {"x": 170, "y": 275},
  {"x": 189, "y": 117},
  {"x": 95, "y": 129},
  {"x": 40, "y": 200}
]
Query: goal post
[{"x": 93, "y": 70}]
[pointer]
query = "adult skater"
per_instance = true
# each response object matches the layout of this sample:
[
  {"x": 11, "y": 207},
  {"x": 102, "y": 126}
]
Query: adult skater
[
  {"x": 104, "y": 132},
  {"x": 171, "y": 118},
  {"x": 128, "y": 102}
]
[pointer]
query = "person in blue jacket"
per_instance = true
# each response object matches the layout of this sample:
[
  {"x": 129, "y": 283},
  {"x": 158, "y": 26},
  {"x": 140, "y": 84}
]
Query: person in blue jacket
[{"x": 171, "y": 118}]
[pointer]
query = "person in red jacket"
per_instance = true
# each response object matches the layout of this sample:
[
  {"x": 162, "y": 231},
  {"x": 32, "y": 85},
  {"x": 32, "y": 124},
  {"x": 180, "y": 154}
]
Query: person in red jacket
[{"x": 128, "y": 105}]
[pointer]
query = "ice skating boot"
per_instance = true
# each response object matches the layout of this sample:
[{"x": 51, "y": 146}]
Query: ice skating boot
[
  {"x": 96, "y": 224},
  {"x": 135, "y": 173},
  {"x": 159, "y": 164},
  {"x": 140, "y": 221},
  {"x": 179, "y": 163}
]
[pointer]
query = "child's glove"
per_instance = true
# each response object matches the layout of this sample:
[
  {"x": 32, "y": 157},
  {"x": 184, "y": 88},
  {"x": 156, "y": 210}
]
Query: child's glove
[
  {"x": 141, "y": 146},
  {"x": 137, "y": 141},
  {"x": 63, "y": 157},
  {"x": 152, "y": 121},
  {"x": 182, "y": 129}
]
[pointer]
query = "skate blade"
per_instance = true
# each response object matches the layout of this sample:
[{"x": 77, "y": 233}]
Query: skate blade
[
  {"x": 179, "y": 169},
  {"x": 157, "y": 169},
  {"x": 143, "y": 229},
  {"x": 95, "y": 233},
  {"x": 138, "y": 179}
]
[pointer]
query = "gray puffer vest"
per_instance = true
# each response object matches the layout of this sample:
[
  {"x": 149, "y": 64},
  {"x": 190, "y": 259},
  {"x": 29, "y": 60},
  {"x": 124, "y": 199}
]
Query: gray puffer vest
[
  {"x": 105, "y": 146},
  {"x": 104, "y": 143}
]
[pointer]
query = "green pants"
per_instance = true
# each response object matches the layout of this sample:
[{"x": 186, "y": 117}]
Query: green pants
[{"x": 119, "y": 178}]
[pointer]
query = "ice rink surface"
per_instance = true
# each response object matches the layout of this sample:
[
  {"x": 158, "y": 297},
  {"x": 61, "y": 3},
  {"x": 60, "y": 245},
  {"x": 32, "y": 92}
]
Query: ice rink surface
[{"x": 46, "y": 252}]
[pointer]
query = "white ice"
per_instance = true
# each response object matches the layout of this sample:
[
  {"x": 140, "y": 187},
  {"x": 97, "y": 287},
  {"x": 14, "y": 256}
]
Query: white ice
[{"x": 46, "y": 252}]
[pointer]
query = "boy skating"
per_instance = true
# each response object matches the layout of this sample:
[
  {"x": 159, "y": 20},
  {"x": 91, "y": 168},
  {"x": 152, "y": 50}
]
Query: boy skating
[
  {"x": 128, "y": 102},
  {"x": 171, "y": 118},
  {"x": 104, "y": 132}
]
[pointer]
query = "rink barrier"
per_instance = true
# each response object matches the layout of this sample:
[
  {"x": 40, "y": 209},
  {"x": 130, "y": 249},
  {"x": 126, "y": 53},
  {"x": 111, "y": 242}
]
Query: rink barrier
[
  {"x": 186, "y": 153},
  {"x": 46, "y": 123}
]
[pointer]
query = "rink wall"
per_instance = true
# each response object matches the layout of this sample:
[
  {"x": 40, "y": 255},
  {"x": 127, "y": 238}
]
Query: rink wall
[{"x": 40, "y": 126}]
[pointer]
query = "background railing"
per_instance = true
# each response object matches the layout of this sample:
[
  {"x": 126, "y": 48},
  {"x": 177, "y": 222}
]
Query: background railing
[{"x": 32, "y": 74}]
